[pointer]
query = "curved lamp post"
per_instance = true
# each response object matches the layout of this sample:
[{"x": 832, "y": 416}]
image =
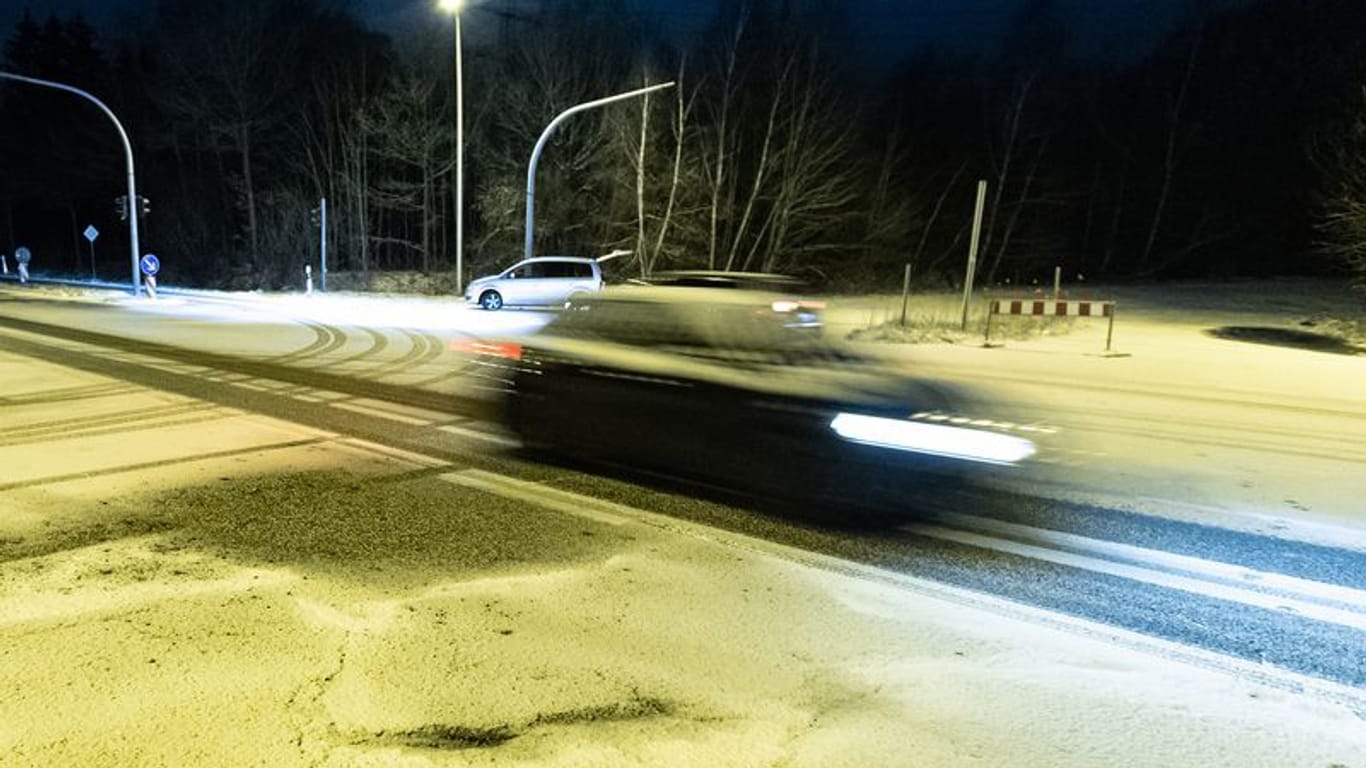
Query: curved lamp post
[
  {"x": 127, "y": 154},
  {"x": 454, "y": 7},
  {"x": 545, "y": 136}
]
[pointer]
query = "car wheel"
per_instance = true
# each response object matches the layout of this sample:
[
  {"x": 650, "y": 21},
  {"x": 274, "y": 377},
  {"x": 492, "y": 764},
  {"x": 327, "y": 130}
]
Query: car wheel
[{"x": 491, "y": 300}]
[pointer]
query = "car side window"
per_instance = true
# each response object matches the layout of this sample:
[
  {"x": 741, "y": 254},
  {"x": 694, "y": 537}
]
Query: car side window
[
  {"x": 558, "y": 269},
  {"x": 528, "y": 271},
  {"x": 580, "y": 269}
]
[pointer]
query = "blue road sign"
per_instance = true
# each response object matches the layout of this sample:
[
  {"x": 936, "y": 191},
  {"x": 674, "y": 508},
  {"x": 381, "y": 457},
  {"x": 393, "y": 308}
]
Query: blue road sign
[
  {"x": 150, "y": 264},
  {"x": 91, "y": 233}
]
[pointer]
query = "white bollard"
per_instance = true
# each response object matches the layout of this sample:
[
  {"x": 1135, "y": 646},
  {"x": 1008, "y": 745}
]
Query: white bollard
[
  {"x": 151, "y": 282},
  {"x": 308, "y": 278},
  {"x": 4, "y": 265}
]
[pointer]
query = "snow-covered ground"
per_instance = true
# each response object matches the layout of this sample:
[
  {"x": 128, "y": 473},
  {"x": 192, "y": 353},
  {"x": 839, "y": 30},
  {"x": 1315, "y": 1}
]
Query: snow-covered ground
[{"x": 215, "y": 587}]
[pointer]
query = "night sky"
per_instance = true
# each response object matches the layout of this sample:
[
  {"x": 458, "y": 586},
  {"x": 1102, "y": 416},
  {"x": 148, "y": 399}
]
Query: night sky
[{"x": 1122, "y": 28}]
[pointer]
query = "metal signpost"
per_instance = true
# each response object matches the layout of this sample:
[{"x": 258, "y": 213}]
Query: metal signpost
[
  {"x": 90, "y": 234},
  {"x": 972, "y": 248},
  {"x": 21, "y": 257}
]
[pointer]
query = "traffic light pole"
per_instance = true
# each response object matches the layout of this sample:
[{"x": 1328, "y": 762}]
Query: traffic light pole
[{"x": 127, "y": 154}]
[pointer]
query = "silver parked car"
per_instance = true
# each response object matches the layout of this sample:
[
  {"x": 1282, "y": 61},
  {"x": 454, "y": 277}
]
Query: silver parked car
[{"x": 540, "y": 282}]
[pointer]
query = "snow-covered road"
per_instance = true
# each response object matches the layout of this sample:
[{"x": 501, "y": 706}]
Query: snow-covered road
[{"x": 246, "y": 533}]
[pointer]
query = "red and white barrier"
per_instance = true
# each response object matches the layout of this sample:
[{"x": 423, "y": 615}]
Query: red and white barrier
[{"x": 1052, "y": 308}]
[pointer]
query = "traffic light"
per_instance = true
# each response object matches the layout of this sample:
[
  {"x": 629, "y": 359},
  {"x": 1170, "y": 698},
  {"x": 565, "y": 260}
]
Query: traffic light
[
  {"x": 144, "y": 207},
  {"x": 121, "y": 207},
  {"x": 315, "y": 216}
]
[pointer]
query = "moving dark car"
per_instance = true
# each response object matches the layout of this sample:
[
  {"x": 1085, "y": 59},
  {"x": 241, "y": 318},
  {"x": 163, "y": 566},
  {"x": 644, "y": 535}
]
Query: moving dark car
[
  {"x": 704, "y": 278},
  {"x": 729, "y": 387}
]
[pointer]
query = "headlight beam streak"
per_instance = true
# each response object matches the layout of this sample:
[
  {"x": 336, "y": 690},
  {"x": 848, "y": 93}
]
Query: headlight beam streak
[{"x": 933, "y": 439}]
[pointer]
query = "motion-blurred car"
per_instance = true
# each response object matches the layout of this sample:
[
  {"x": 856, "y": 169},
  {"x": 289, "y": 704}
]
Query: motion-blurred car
[
  {"x": 803, "y": 312},
  {"x": 722, "y": 386},
  {"x": 540, "y": 282},
  {"x": 704, "y": 278}
]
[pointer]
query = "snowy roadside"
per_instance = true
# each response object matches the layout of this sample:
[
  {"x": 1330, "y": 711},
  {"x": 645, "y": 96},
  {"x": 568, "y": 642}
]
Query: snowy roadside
[
  {"x": 219, "y": 588},
  {"x": 309, "y": 600}
]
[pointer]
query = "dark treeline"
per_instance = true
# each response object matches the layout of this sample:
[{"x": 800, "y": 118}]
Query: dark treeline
[{"x": 1236, "y": 148}]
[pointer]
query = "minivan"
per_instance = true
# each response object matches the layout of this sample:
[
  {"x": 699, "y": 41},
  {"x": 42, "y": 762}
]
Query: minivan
[{"x": 540, "y": 282}]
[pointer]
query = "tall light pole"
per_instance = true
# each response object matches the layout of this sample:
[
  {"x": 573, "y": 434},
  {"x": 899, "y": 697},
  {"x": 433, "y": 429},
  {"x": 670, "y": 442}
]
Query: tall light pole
[
  {"x": 545, "y": 136},
  {"x": 453, "y": 7},
  {"x": 133, "y": 208}
]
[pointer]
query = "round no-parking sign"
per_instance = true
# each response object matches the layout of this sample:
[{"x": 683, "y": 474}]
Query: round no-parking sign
[{"x": 150, "y": 264}]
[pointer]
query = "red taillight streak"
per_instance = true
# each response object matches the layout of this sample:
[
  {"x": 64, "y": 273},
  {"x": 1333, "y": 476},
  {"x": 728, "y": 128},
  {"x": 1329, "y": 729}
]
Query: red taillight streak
[{"x": 504, "y": 349}]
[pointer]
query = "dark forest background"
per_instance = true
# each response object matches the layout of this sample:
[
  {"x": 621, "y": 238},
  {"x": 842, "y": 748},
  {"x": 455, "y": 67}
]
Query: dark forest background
[{"x": 1236, "y": 148}]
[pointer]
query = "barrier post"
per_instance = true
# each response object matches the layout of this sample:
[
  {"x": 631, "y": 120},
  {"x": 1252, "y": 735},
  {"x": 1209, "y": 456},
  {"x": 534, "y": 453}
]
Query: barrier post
[{"x": 1110, "y": 332}]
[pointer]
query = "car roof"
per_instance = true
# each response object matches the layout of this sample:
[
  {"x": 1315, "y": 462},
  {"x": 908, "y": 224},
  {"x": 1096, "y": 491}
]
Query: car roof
[
  {"x": 721, "y": 273},
  {"x": 677, "y": 294},
  {"x": 580, "y": 259},
  {"x": 701, "y": 278}
]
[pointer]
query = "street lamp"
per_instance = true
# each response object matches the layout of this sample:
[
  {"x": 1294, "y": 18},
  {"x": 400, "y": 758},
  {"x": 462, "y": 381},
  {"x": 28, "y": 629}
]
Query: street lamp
[
  {"x": 127, "y": 157},
  {"x": 453, "y": 7},
  {"x": 545, "y": 136}
]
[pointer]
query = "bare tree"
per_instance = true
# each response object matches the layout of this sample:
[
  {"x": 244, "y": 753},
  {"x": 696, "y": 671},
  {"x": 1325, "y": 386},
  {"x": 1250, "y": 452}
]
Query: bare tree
[
  {"x": 1341, "y": 223},
  {"x": 224, "y": 75},
  {"x": 405, "y": 129},
  {"x": 818, "y": 182},
  {"x": 681, "y": 110},
  {"x": 1175, "y": 117},
  {"x": 724, "y": 138}
]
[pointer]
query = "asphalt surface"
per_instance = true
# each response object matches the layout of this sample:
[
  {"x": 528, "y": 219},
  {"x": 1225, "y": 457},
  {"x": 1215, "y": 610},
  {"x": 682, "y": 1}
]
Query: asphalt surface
[{"x": 369, "y": 363}]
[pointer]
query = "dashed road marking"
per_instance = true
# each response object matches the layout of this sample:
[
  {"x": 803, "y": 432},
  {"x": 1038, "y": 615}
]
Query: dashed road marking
[
  {"x": 1264, "y": 600},
  {"x": 542, "y": 495},
  {"x": 480, "y": 435}
]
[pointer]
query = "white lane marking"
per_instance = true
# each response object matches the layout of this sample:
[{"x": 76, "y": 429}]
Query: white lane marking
[
  {"x": 1208, "y": 569},
  {"x": 478, "y": 435},
  {"x": 420, "y": 459},
  {"x": 381, "y": 413},
  {"x": 1158, "y": 578},
  {"x": 411, "y": 411},
  {"x": 545, "y": 496},
  {"x": 320, "y": 395}
]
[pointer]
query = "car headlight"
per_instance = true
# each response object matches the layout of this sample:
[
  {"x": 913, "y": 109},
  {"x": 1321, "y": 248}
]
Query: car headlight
[{"x": 933, "y": 439}]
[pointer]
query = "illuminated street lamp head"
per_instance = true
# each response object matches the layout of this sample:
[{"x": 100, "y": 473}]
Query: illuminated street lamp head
[{"x": 452, "y": 6}]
